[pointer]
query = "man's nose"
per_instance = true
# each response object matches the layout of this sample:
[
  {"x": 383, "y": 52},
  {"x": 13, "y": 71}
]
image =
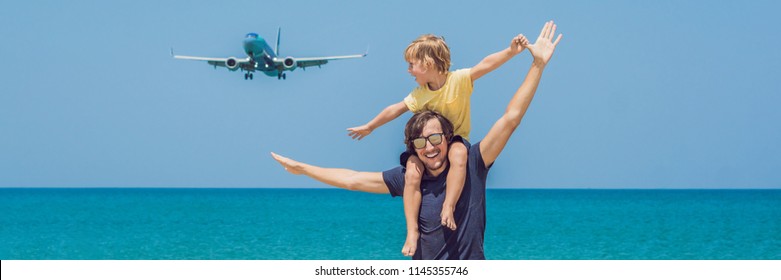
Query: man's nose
[{"x": 429, "y": 146}]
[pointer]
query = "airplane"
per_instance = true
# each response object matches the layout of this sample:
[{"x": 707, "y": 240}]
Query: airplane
[{"x": 261, "y": 58}]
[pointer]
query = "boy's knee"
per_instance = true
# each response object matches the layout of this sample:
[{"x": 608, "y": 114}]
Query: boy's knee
[
  {"x": 413, "y": 159},
  {"x": 405, "y": 157},
  {"x": 457, "y": 153},
  {"x": 414, "y": 162},
  {"x": 413, "y": 173},
  {"x": 414, "y": 168}
]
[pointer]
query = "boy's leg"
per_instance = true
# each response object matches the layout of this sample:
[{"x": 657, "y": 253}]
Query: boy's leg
[
  {"x": 412, "y": 199},
  {"x": 455, "y": 183}
]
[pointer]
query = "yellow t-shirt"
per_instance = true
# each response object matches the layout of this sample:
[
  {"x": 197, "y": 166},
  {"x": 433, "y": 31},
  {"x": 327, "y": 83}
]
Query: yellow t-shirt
[{"x": 452, "y": 100}]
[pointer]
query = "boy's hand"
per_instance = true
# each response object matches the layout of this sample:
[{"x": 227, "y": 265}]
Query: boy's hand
[
  {"x": 543, "y": 48},
  {"x": 518, "y": 44},
  {"x": 359, "y": 131}
]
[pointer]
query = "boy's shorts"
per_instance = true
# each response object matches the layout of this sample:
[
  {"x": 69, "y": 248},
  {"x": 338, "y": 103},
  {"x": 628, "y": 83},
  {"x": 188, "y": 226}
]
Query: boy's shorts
[{"x": 457, "y": 138}]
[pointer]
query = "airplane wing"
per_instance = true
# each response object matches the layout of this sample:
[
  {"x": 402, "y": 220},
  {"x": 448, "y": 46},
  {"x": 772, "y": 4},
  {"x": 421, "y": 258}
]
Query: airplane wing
[
  {"x": 222, "y": 62},
  {"x": 304, "y": 62}
]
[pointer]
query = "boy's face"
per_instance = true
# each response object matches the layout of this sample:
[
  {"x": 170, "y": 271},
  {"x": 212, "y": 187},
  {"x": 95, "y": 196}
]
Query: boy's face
[{"x": 418, "y": 70}]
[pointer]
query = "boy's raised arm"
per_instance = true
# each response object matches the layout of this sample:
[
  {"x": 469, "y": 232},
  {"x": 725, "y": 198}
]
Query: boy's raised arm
[
  {"x": 370, "y": 182},
  {"x": 493, "y": 61},
  {"x": 388, "y": 114}
]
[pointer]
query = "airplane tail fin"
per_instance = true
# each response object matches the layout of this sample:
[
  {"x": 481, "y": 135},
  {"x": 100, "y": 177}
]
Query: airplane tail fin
[{"x": 276, "y": 50}]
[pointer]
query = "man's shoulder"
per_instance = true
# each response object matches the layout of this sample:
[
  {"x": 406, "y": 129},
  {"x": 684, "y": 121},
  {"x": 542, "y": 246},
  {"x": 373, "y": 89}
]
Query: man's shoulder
[
  {"x": 394, "y": 180},
  {"x": 476, "y": 156}
]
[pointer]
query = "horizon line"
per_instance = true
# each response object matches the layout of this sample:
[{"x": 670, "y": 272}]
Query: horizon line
[{"x": 335, "y": 188}]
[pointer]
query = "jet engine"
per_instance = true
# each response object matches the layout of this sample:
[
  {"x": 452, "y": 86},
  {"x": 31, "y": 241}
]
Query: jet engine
[
  {"x": 231, "y": 63},
  {"x": 289, "y": 63}
]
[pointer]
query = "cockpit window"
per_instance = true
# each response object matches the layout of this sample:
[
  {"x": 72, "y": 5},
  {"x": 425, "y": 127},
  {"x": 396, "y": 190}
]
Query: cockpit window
[{"x": 252, "y": 35}]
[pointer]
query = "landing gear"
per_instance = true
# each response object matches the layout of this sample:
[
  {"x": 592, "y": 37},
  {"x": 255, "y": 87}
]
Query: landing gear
[
  {"x": 248, "y": 76},
  {"x": 281, "y": 76}
]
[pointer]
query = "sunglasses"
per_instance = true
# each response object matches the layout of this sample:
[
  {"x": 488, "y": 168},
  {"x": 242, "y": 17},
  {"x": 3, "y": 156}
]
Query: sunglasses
[{"x": 434, "y": 139}]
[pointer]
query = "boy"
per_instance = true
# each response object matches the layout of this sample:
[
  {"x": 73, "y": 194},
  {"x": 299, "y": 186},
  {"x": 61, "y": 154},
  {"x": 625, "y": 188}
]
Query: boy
[{"x": 447, "y": 93}]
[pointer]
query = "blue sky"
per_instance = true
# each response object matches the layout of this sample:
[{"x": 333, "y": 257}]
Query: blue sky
[{"x": 660, "y": 94}]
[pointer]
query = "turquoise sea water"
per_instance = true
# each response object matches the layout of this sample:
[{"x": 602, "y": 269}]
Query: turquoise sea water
[{"x": 337, "y": 224}]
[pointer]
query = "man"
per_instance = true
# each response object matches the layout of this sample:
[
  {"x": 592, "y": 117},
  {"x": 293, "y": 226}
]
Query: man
[{"x": 428, "y": 135}]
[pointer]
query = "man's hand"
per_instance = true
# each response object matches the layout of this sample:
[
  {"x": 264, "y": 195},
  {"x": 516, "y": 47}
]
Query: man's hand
[
  {"x": 518, "y": 44},
  {"x": 370, "y": 182},
  {"x": 359, "y": 131},
  {"x": 543, "y": 48},
  {"x": 290, "y": 165}
]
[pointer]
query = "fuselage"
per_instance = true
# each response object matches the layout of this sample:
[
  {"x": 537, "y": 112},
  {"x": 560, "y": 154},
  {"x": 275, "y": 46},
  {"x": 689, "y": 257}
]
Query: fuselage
[{"x": 260, "y": 52}]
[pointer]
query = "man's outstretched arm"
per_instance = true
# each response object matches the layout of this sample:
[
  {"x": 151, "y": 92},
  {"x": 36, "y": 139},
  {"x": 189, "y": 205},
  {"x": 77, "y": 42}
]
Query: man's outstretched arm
[
  {"x": 370, "y": 182},
  {"x": 542, "y": 51}
]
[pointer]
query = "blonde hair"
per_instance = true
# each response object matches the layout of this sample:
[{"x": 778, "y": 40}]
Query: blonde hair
[{"x": 431, "y": 50}]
